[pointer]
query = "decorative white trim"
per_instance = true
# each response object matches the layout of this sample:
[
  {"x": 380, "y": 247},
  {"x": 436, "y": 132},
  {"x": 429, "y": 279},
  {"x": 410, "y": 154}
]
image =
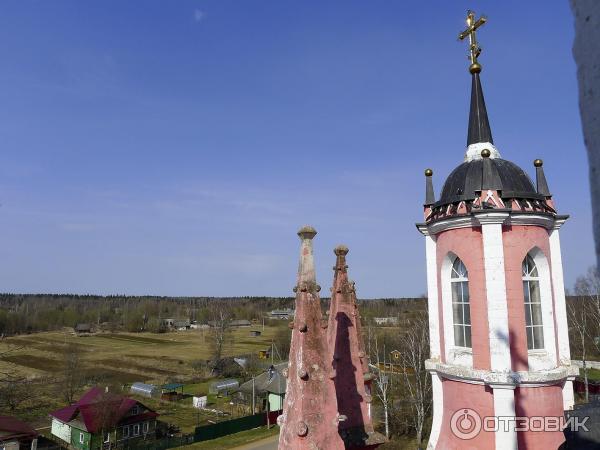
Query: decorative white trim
[
  {"x": 568, "y": 396},
  {"x": 511, "y": 217},
  {"x": 495, "y": 287},
  {"x": 546, "y": 359},
  {"x": 438, "y": 410},
  {"x": 540, "y": 220},
  {"x": 432, "y": 296},
  {"x": 489, "y": 217},
  {"x": 474, "y": 151},
  {"x": 451, "y": 223},
  {"x": 454, "y": 355},
  {"x": 504, "y": 407},
  {"x": 562, "y": 328},
  {"x": 489, "y": 377}
]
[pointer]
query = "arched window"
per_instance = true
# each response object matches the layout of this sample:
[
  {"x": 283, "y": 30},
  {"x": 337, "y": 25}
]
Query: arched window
[
  {"x": 461, "y": 310},
  {"x": 533, "y": 305}
]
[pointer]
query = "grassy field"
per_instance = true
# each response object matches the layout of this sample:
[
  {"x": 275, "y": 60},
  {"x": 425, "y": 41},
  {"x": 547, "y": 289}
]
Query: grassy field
[
  {"x": 123, "y": 358},
  {"x": 234, "y": 440}
]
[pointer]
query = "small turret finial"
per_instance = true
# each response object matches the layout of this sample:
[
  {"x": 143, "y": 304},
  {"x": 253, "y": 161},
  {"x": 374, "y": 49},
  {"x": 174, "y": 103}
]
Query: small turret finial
[
  {"x": 540, "y": 179},
  {"x": 474, "y": 48},
  {"x": 429, "y": 193}
]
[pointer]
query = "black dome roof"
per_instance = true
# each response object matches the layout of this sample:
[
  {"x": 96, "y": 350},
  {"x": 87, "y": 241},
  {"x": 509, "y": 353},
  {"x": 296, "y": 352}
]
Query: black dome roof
[{"x": 487, "y": 173}]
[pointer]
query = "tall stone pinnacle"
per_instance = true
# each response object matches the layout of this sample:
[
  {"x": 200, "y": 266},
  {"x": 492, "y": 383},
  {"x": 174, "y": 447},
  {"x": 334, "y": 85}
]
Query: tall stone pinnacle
[
  {"x": 351, "y": 369},
  {"x": 310, "y": 418}
]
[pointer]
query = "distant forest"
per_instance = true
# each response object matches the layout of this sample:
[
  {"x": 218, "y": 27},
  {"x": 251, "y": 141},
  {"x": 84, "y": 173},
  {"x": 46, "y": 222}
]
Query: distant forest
[{"x": 30, "y": 313}]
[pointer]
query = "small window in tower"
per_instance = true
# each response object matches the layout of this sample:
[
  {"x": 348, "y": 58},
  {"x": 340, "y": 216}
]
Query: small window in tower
[
  {"x": 533, "y": 305},
  {"x": 461, "y": 309}
]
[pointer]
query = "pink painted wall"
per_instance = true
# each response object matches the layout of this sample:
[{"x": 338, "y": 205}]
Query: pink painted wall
[
  {"x": 467, "y": 244},
  {"x": 540, "y": 401},
  {"x": 518, "y": 241},
  {"x": 480, "y": 399}
]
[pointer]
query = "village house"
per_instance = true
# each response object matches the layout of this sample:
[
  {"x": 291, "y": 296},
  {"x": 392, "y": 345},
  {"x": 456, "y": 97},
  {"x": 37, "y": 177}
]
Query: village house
[
  {"x": 282, "y": 314},
  {"x": 268, "y": 388},
  {"x": 102, "y": 420},
  {"x": 16, "y": 434},
  {"x": 83, "y": 328}
]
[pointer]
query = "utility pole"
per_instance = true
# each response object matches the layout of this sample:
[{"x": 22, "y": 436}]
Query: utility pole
[{"x": 253, "y": 397}]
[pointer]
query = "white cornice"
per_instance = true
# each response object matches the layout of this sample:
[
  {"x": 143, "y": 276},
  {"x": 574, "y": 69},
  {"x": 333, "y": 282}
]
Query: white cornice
[
  {"x": 480, "y": 217},
  {"x": 487, "y": 216},
  {"x": 505, "y": 380}
]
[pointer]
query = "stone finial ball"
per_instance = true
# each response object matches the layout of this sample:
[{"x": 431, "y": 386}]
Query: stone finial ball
[
  {"x": 485, "y": 153},
  {"x": 341, "y": 250},
  {"x": 538, "y": 163},
  {"x": 428, "y": 172},
  {"x": 307, "y": 232}
]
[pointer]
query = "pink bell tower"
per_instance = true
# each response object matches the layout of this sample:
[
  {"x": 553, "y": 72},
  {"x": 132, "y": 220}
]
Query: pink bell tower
[{"x": 497, "y": 316}]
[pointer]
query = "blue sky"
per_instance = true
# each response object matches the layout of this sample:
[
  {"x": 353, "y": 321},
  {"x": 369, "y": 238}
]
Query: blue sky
[{"x": 174, "y": 148}]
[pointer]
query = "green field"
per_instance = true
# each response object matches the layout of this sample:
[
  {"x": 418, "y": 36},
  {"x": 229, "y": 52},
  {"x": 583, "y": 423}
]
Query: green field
[
  {"x": 126, "y": 357},
  {"x": 122, "y": 358}
]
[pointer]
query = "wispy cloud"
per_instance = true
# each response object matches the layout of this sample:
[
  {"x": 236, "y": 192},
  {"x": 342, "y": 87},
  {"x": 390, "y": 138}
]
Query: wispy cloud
[{"x": 199, "y": 15}]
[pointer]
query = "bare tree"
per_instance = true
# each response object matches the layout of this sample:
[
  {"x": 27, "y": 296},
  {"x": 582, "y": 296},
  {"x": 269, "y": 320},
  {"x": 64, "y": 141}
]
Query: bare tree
[
  {"x": 220, "y": 321},
  {"x": 584, "y": 318},
  {"x": 107, "y": 407},
  {"x": 576, "y": 311},
  {"x": 71, "y": 379},
  {"x": 382, "y": 381},
  {"x": 15, "y": 388},
  {"x": 414, "y": 350}
]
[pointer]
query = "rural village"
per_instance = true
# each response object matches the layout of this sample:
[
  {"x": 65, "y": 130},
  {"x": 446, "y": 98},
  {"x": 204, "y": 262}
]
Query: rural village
[{"x": 498, "y": 335}]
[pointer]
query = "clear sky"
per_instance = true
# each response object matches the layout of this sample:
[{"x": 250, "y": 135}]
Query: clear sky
[{"x": 174, "y": 148}]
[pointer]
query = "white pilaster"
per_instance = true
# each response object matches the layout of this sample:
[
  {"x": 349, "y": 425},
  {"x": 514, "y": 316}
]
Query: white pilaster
[
  {"x": 438, "y": 410},
  {"x": 558, "y": 284},
  {"x": 568, "y": 396},
  {"x": 432, "y": 296},
  {"x": 495, "y": 286},
  {"x": 504, "y": 410}
]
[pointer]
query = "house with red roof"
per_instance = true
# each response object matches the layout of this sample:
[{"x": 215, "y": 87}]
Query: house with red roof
[
  {"x": 16, "y": 434},
  {"x": 103, "y": 420}
]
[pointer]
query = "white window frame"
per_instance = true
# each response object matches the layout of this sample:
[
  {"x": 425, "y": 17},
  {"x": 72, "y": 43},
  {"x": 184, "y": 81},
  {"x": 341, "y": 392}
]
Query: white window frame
[
  {"x": 544, "y": 359},
  {"x": 135, "y": 410},
  {"x": 136, "y": 429},
  {"x": 81, "y": 437},
  {"x": 531, "y": 277},
  {"x": 145, "y": 427},
  {"x": 462, "y": 280},
  {"x": 107, "y": 440},
  {"x": 126, "y": 432}
]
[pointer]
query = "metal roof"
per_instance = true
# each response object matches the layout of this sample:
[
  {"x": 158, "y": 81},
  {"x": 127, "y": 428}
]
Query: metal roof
[
  {"x": 222, "y": 384},
  {"x": 488, "y": 173},
  {"x": 143, "y": 387},
  {"x": 272, "y": 381}
]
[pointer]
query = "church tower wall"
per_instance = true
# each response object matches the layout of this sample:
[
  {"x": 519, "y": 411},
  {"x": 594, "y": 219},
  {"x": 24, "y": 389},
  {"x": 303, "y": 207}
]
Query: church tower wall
[{"x": 498, "y": 328}]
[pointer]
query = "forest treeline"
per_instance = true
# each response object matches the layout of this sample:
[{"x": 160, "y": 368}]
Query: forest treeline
[{"x": 30, "y": 313}]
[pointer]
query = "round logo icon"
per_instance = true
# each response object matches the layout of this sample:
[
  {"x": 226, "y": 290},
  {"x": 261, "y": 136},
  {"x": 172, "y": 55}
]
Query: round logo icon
[{"x": 465, "y": 424}]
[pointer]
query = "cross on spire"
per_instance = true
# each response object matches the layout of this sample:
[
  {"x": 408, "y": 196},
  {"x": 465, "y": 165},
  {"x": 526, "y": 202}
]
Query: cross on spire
[{"x": 474, "y": 49}]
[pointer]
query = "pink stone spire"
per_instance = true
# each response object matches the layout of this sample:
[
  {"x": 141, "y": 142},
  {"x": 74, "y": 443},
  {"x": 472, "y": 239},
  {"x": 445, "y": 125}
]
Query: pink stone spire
[
  {"x": 351, "y": 369},
  {"x": 310, "y": 418}
]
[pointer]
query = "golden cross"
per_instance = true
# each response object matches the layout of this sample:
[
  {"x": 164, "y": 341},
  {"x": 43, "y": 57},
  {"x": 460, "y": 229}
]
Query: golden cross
[{"x": 474, "y": 49}]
